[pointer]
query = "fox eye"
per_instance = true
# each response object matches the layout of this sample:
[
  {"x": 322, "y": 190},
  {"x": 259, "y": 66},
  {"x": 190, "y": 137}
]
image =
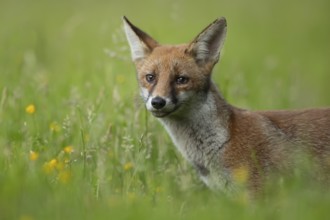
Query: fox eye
[
  {"x": 150, "y": 78},
  {"x": 181, "y": 80}
]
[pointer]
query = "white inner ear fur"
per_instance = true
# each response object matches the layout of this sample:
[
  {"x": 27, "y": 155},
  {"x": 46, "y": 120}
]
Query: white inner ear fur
[
  {"x": 210, "y": 42},
  {"x": 138, "y": 48}
]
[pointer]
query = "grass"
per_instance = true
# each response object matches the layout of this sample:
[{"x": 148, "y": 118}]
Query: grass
[{"x": 76, "y": 142}]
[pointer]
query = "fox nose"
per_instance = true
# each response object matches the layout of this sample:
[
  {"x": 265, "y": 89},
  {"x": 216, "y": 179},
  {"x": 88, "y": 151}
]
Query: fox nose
[{"x": 158, "y": 102}]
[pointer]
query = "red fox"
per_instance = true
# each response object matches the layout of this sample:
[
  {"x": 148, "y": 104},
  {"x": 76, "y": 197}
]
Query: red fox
[{"x": 214, "y": 136}]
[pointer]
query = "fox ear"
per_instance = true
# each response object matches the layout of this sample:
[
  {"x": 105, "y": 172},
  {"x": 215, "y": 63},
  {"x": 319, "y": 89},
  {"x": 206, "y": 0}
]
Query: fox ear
[
  {"x": 141, "y": 43},
  {"x": 207, "y": 45}
]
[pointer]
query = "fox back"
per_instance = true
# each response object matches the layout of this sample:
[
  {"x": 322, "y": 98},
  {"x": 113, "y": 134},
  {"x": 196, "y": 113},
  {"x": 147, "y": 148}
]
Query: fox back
[{"x": 218, "y": 139}]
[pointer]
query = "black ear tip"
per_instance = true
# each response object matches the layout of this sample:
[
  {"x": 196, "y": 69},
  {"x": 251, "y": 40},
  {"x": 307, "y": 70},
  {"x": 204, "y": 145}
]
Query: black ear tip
[
  {"x": 221, "y": 21},
  {"x": 125, "y": 19},
  {"x": 224, "y": 20}
]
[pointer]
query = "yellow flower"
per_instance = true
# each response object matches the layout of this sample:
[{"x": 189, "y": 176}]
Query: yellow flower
[
  {"x": 30, "y": 109},
  {"x": 50, "y": 166},
  {"x": 53, "y": 162},
  {"x": 68, "y": 149},
  {"x": 241, "y": 174},
  {"x": 128, "y": 166},
  {"x": 54, "y": 127},
  {"x": 33, "y": 155}
]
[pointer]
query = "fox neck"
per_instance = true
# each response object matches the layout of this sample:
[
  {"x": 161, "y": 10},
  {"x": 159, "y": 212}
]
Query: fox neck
[{"x": 201, "y": 131}]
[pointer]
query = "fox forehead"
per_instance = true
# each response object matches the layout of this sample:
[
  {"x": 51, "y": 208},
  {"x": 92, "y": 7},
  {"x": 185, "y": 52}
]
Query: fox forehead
[
  {"x": 164, "y": 59},
  {"x": 168, "y": 63}
]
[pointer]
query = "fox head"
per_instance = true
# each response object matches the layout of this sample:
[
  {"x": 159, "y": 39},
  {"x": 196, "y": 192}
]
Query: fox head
[{"x": 172, "y": 78}]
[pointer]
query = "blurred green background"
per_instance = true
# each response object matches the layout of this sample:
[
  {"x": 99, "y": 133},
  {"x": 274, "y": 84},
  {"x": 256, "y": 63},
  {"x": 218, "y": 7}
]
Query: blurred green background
[{"x": 89, "y": 149}]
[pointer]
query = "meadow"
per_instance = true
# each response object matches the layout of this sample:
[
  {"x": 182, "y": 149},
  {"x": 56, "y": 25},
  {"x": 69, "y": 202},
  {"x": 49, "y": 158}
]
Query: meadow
[{"x": 75, "y": 139}]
